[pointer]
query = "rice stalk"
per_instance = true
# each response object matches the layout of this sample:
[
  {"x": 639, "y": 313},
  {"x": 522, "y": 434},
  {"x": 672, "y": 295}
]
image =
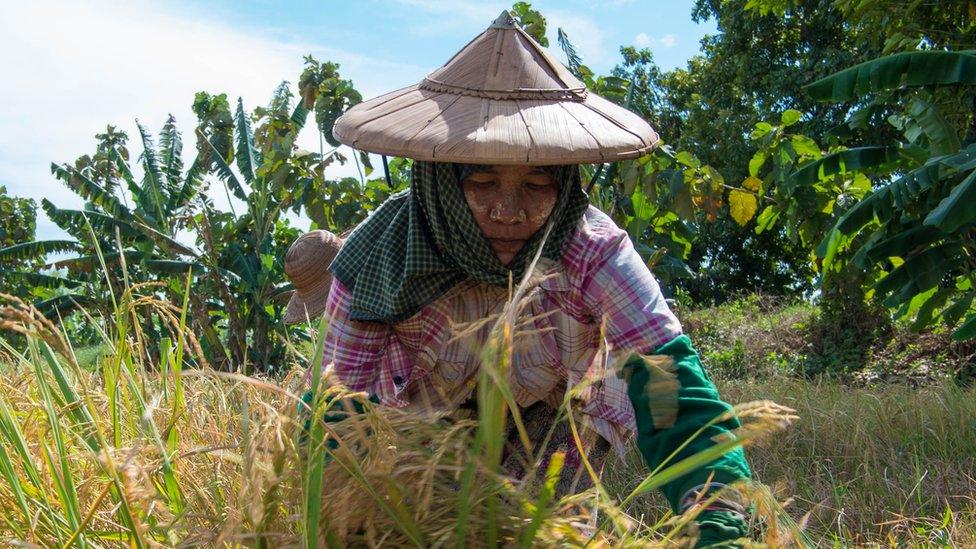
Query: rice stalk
[{"x": 136, "y": 454}]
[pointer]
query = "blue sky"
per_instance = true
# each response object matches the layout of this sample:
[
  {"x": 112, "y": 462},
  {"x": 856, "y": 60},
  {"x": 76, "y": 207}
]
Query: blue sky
[
  {"x": 425, "y": 32},
  {"x": 70, "y": 68}
]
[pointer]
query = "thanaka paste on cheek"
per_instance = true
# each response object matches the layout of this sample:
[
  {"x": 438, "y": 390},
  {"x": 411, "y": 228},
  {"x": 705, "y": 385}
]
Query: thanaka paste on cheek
[
  {"x": 476, "y": 203},
  {"x": 542, "y": 215}
]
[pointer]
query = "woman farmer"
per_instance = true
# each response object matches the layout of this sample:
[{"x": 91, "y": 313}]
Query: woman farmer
[{"x": 497, "y": 135}]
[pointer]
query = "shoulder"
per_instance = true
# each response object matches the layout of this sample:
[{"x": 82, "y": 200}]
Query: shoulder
[{"x": 596, "y": 236}]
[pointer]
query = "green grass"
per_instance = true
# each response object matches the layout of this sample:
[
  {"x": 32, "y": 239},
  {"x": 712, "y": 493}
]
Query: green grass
[
  {"x": 762, "y": 337},
  {"x": 756, "y": 337}
]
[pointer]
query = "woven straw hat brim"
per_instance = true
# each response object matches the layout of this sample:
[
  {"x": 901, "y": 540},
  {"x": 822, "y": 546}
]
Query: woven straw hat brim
[
  {"x": 501, "y": 99},
  {"x": 307, "y": 267},
  {"x": 443, "y": 127},
  {"x": 310, "y": 304}
]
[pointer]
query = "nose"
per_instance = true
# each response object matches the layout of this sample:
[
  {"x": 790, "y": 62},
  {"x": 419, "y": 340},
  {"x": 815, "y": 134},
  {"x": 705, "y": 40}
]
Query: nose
[{"x": 508, "y": 210}]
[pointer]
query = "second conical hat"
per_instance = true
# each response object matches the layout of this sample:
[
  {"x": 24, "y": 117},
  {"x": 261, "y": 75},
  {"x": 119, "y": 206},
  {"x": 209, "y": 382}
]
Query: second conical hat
[{"x": 500, "y": 100}]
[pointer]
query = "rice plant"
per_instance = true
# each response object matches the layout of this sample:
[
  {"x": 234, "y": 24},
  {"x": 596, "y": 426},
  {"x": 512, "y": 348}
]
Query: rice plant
[{"x": 143, "y": 452}]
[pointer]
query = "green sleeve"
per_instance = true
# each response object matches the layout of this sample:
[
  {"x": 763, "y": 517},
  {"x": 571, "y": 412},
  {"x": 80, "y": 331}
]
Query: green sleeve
[{"x": 697, "y": 404}]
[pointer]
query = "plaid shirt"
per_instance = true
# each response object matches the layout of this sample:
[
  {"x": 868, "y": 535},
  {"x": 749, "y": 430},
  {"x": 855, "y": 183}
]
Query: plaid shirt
[{"x": 432, "y": 357}]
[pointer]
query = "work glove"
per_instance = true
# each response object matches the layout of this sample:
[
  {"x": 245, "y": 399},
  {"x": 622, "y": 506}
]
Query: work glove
[
  {"x": 673, "y": 397},
  {"x": 720, "y": 529}
]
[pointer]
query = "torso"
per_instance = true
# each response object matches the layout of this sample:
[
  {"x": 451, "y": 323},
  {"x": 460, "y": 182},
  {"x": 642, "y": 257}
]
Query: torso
[{"x": 431, "y": 360}]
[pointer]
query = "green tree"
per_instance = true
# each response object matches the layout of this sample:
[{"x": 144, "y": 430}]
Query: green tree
[
  {"x": 18, "y": 221},
  {"x": 139, "y": 234},
  {"x": 158, "y": 225},
  {"x": 750, "y": 71},
  {"x": 891, "y": 220}
]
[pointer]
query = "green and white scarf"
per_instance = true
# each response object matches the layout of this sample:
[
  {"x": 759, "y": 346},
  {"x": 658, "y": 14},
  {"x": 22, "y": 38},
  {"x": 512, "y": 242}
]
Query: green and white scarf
[{"x": 423, "y": 241}]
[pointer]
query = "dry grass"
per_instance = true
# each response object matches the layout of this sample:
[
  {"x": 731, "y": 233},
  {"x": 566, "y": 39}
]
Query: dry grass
[
  {"x": 137, "y": 454},
  {"x": 121, "y": 454},
  {"x": 885, "y": 466},
  {"x": 889, "y": 464}
]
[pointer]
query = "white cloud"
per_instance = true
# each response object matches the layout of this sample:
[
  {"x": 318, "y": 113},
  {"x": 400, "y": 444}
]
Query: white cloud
[
  {"x": 450, "y": 14},
  {"x": 642, "y": 40},
  {"x": 583, "y": 33},
  {"x": 71, "y": 68}
]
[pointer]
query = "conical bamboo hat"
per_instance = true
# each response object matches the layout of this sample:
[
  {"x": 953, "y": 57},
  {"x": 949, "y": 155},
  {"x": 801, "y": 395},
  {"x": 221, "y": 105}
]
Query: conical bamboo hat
[{"x": 500, "y": 100}]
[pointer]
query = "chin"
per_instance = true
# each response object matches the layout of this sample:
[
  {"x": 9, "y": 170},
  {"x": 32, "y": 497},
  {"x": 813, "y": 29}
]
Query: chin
[{"x": 505, "y": 259}]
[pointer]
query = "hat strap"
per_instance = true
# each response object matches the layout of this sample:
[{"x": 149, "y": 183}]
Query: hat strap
[{"x": 386, "y": 170}]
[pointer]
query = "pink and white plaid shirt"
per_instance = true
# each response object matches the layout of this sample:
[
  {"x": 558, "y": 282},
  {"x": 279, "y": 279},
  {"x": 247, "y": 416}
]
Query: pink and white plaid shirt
[{"x": 424, "y": 360}]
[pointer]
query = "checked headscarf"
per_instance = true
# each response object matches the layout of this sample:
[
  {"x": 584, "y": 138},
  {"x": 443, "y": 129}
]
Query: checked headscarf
[{"x": 424, "y": 240}]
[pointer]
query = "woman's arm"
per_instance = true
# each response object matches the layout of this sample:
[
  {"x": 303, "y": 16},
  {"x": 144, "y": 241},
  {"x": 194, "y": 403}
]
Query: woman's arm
[
  {"x": 354, "y": 349},
  {"x": 620, "y": 289}
]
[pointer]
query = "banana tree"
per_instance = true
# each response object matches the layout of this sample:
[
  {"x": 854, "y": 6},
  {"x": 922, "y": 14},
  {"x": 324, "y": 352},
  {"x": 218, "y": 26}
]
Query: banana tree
[
  {"x": 270, "y": 176},
  {"x": 914, "y": 230},
  {"x": 137, "y": 235}
]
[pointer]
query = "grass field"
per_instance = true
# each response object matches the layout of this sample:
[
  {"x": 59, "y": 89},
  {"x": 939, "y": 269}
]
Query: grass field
[
  {"x": 110, "y": 454},
  {"x": 887, "y": 466}
]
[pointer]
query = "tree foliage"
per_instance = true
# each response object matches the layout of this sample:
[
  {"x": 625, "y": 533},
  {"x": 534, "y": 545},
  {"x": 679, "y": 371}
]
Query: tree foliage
[
  {"x": 899, "y": 212},
  {"x": 18, "y": 221},
  {"x": 749, "y": 72},
  {"x": 152, "y": 220},
  {"x": 829, "y": 140}
]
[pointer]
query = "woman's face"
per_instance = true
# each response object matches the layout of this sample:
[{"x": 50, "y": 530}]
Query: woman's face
[{"x": 510, "y": 203}]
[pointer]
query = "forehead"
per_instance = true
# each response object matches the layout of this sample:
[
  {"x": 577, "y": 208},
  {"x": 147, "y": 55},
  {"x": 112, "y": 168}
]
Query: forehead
[{"x": 510, "y": 169}]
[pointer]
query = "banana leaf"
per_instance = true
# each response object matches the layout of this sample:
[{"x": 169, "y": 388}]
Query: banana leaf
[
  {"x": 958, "y": 209},
  {"x": 40, "y": 280},
  {"x": 859, "y": 159},
  {"x": 87, "y": 263},
  {"x": 904, "y": 243},
  {"x": 926, "y": 312},
  {"x": 912, "y": 69},
  {"x": 572, "y": 57},
  {"x": 248, "y": 158},
  {"x": 942, "y": 137},
  {"x": 967, "y": 330},
  {"x": 191, "y": 183},
  {"x": 904, "y": 191},
  {"x": 857, "y": 120},
  {"x": 89, "y": 190},
  {"x": 919, "y": 273},
  {"x": 123, "y": 167},
  {"x": 164, "y": 241},
  {"x": 37, "y": 248},
  {"x": 960, "y": 306},
  {"x": 62, "y": 304},
  {"x": 224, "y": 172},
  {"x": 151, "y": 196},
  {"x": 170, "y": 153},
  {"x": 299, "y": 116},
  {"x": 172, "y": 266},
  {"x": 76, "y": 220}
]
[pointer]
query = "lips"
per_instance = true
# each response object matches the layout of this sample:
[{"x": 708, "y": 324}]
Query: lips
[{"x": 506, "y": 245}]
